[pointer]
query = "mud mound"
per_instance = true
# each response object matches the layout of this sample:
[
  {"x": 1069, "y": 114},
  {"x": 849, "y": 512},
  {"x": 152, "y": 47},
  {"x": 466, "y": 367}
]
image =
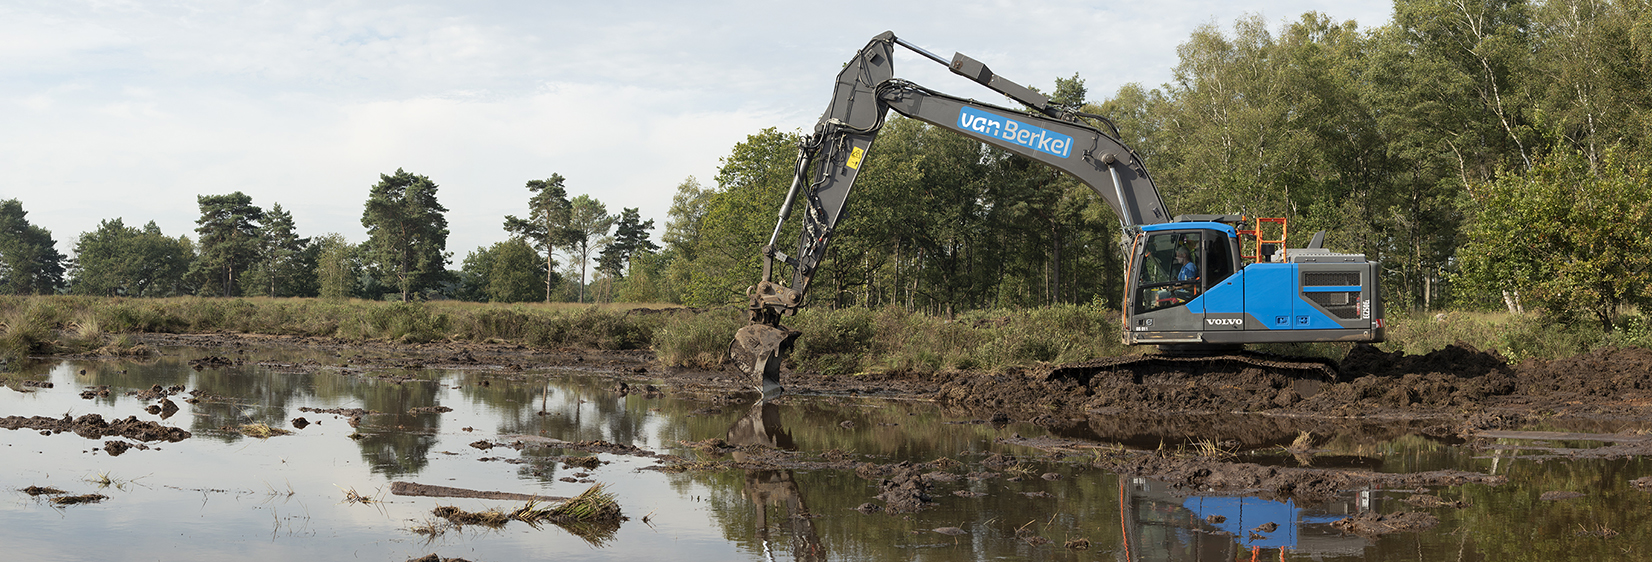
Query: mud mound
[
  {"x": 93, "y": 426},
  {"x": 1205, "y": 474},
  {"x": 1427, "y": 391},
  {"x": 1459, "y": 359},
  {"x": 1015, "y": 390},
  {"x": 902, "y": 486},
  {"x": 1371, "y": 524},
  {"x": 1608, "y": 372}
]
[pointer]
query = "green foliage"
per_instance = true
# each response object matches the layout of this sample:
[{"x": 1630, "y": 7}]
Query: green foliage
[
  {"x": 408, "y": 322},
  {"x": 630, "y": 239},
  {"x": 891, "y": 340},
  {"x": 549, "y": 213},
  {"x": 1516, "y": 337},
  {"x": 29, "y": 261},
  {"x": 697, "y": 339},
  {"x": 739, "y": 215},
  {"x": 509, "y": 271},
  {"x": 406, "y": 233},
  {"x": 229, "y": 242},
  {"x": 588, "y": 224},
  {"x": 1567, "y": 235},
  {"x": 287, "y": 263},
  {"x": 336, "y": 267},
  {"x": 118, "y": 260}
]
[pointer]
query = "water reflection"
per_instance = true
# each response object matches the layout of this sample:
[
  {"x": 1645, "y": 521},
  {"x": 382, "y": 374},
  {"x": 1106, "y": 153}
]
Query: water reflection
[
  {"x": 768, "y": 489},
  {"x": 1161, "y": 525},
  {"x": 199, "y": 487}
]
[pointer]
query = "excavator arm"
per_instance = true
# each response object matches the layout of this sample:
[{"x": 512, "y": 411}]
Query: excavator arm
[{"x": 830, "y": 159}]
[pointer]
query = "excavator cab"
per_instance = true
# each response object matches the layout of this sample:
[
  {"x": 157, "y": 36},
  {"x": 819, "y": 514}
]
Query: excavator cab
[
  {"x": 1191, "y": 289},
  {"x": 1176, "y": 266}
]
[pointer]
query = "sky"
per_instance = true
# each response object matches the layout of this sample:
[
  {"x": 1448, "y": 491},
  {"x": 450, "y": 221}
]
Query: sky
[{"x": 131, "y": 109}]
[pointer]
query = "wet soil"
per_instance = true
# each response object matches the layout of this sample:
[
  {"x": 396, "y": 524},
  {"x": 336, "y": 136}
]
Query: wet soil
[
  {"x": 1372, "y": 524},
  {"x": 1209, "y": 475},
  {"x": 93, "y": 426}
]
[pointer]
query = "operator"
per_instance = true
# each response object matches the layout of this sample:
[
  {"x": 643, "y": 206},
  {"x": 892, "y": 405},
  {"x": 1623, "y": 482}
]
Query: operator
[{"x": 1188, "y": 270}]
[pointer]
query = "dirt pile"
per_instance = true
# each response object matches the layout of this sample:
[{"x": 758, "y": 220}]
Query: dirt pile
[
  {"x": 902, "y": 486},
  {"x": 1450, "y": 382},
  {"x": 93, "y": 426},
  {"x": 1371, "y": 524}
]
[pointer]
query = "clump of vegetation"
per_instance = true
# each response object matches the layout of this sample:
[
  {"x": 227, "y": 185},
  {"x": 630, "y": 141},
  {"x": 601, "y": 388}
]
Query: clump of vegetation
[
  {"x": 697, "y": 339},
  {"x": 80, "y": 499},
  {"x": 352, "y": 496},
  {"x": 593, "y": 515},
  {"x": 261, "y": 431}
]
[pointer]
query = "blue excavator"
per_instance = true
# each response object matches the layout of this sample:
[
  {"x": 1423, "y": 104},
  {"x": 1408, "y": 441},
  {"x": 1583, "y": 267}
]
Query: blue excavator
[{"x": 1199, "y": 287}]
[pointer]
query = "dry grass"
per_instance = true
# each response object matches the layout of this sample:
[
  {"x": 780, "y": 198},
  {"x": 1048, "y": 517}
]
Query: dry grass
[
  {"x": 593, "y": 515},
  {"x": 352, "y": 496},
  {"x": 80, "y": 499},
  {"x": 1304, "y": 441},
  {"x": 261, "y": 431}
]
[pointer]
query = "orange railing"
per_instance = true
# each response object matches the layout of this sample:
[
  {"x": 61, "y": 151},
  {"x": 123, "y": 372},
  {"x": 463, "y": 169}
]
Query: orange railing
[{"x": 1258, "y": 236}]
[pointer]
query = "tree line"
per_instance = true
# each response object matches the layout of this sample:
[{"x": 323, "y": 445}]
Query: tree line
[
  {"x": 1487, "y": 153},
  {"x": 240, "y": 249}
]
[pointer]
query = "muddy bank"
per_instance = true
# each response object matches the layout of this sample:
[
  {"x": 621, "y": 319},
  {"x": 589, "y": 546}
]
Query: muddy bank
[
  {"x": 1459, "y": 389},
  {"x": 1458, "y": 382},
  {"x": 1205, "y": 475}
]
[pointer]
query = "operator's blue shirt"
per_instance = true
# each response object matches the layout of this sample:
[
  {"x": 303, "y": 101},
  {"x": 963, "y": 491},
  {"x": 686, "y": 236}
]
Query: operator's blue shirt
[{"x": 1189, "y": 272}]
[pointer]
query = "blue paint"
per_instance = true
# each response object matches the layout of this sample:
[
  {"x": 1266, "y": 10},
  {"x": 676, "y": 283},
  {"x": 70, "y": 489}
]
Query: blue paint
[
  {"x": 1227, "y": 297},
  {"x": 1247, "y": 513},
  {"x": 1224, "y": 228},
  {"x": 1270, "y": 289}
]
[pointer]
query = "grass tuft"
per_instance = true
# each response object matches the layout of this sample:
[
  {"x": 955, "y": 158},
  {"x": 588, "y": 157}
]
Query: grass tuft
[{"x": 261, "y": 431}]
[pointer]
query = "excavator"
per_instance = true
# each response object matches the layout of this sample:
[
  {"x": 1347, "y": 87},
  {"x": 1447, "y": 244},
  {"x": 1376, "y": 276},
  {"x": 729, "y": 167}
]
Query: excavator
[{"x": 1191, "y": 287}]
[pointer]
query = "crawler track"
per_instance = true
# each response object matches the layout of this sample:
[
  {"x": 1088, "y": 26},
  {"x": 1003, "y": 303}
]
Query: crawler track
[{"x": 1141, "y": 366}]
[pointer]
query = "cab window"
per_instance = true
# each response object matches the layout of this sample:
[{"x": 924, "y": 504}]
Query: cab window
[{"x": 1171, "y": 271}]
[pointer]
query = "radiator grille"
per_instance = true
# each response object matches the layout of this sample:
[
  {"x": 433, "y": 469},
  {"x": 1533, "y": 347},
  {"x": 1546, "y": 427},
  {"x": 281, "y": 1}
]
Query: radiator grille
[
  {"x": 1343, "y": 304},
  {"x": 1330, "y": 279}
]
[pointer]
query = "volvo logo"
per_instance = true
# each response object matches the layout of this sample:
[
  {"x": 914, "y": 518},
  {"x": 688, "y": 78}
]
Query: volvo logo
[{"x": 1225, "y": 321}]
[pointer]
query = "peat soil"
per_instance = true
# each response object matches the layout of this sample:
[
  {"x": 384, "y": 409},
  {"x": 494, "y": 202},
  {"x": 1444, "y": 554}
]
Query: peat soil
[
  {"x": 1458, "y": 393},
  {"x": 1462, "y": 384}
]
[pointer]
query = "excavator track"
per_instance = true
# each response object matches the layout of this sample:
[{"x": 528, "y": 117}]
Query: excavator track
[{"x": 1315, "y": 368}]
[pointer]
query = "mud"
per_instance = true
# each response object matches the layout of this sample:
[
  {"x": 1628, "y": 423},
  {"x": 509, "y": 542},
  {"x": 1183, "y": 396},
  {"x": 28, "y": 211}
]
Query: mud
[
  {"x": 1454, "y": 383},
  {"x": 80, "y": 499},
  {"x": 1201, "y": 475},
  {"x": 1372, "y": 524},
  {"x": 43, "y": 491},
  {"x": 93, "y": 426}
]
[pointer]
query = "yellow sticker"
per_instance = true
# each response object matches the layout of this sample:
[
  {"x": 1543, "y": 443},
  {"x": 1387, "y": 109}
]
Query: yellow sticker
[{"x": 854, "y": 158}]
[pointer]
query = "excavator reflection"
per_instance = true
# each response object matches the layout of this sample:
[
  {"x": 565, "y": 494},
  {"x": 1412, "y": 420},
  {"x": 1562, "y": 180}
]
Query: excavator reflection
[
  {"x": 1160, "y": 524},
  {"x": 774, "y": 488}
]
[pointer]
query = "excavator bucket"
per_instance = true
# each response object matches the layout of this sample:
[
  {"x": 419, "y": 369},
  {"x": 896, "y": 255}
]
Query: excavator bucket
[{"x": 757, "y": 350}]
